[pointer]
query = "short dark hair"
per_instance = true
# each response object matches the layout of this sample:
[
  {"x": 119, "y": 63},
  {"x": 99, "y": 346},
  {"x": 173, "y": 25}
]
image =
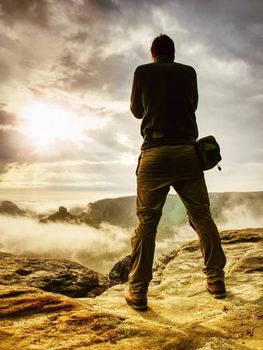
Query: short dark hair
[{"x": 162, "y": 45}]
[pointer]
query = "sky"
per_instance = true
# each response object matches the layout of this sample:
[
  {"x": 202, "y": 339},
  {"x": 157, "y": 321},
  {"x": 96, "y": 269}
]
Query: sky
[{"x": 66, "y": 69}]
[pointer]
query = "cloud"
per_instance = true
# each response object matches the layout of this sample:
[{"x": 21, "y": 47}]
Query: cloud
[
  {"x": 101, "y": 176},
  {"x": 229, "y": 29},
  {"x": 5, "y": 72},
  {"x": 232, "y": 30},
  {"x": 98, "y": 249},
  {"x": 96, "y": 161},
  {"x": 98, "y": 73},
  {"x": 31, "y": 11},
  {"x": 79, "y": 51},
  {"x": 83, "y": 53},
  {"x": 239, "y": 217},
  {"x": 14, "y": 148},
  {"x": 7, "y": 119}
]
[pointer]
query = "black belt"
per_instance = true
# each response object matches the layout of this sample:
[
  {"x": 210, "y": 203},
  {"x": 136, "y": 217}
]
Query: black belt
[{"x": 155, "y": 134}]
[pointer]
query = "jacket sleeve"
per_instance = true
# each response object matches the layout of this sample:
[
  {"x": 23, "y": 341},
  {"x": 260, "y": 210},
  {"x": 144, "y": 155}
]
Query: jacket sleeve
[
  {"x": 195, "y": 98},
  {"x": 136, "y": 97}
]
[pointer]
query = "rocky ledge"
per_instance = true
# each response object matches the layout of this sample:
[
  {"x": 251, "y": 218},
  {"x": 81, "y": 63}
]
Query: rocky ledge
[
  {"x": 51, "y": 275},
  {"x": 181, "y": 315}
]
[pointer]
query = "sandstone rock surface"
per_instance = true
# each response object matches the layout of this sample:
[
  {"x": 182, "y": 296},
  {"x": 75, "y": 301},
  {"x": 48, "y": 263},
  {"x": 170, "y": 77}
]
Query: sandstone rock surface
[
  {"x": 53, "y": 275},
  {"x": 181, "y": 315}
]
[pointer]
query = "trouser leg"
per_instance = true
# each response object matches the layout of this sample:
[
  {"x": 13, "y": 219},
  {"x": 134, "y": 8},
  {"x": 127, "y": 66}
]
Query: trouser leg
[
  {"x": 195, "y": 198},
  {"x": 150, "y": 201}
]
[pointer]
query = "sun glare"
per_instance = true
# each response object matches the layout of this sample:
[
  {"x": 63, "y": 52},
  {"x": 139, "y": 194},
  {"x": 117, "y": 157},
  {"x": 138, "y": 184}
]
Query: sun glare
[{"x": 46, "y": 123}]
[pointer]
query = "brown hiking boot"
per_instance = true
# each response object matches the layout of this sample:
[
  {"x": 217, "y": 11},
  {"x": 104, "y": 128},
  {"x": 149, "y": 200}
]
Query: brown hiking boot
[
  {"x": 137, "y": 300},
  {"x": 217, "y": 289}
]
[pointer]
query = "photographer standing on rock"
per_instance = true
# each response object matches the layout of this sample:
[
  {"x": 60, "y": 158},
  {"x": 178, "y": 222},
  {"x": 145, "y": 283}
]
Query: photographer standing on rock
[{"x": 165, "y": 97}]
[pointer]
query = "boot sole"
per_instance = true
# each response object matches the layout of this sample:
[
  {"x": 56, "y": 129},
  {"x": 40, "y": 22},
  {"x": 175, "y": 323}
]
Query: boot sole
[{"x": 221, "y": 295}]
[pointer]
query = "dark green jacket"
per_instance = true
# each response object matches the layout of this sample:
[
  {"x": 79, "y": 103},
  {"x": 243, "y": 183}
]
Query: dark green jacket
[{"x": 164, "y": 95}]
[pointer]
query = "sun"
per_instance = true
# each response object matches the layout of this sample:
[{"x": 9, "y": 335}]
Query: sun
[{"x": 45, "y": 123}]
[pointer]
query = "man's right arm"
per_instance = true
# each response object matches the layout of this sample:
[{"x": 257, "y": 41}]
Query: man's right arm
[{"x": 136, "y": 98}]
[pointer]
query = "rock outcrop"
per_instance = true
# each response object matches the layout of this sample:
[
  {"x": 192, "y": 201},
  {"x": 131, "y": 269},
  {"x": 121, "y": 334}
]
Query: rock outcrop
[
  {"x": 53, "y": 275},
  {"x": 62, "y": 215},
  {"x": 10, "y": 208},
  {"x": 119, "y": 273},
  {"x": 181, "y": 315}
]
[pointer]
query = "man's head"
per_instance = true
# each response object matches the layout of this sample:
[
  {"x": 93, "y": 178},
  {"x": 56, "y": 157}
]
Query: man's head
[{"x": 162, "y": 46}]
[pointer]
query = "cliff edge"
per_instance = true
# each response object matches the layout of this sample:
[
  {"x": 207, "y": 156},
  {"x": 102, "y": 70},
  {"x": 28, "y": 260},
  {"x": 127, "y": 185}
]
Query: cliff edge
[{"x": 181, "y": 315}]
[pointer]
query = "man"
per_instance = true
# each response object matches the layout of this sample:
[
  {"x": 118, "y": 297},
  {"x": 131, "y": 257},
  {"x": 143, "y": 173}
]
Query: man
[{"x": 164, "y": 95}]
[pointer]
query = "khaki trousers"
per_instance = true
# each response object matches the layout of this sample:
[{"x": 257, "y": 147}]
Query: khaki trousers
[{"x": 159, "y": 169}]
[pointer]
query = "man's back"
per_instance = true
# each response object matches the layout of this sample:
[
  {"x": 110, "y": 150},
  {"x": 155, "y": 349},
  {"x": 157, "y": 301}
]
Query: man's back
[{"x": 165, "y": 96}]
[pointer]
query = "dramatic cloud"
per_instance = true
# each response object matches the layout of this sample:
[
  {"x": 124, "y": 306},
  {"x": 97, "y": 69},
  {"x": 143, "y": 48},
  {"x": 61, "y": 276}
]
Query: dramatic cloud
[
  {"x": 14, "y": 148},
  {"x": 80, "y": 55},
  {"x": 32, "y": 11},
  {"x": 7, "y": 119}
]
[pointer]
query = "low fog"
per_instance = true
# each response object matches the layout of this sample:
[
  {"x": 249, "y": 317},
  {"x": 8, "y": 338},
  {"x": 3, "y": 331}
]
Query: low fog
[
  {"x": 100, "y": 248},
  {"x": 97, "y": 249},
  {"x": 239, "y": 217}
]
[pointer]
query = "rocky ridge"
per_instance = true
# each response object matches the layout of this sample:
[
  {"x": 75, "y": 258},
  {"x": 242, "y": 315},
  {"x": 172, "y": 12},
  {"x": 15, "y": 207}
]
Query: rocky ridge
[
  {"x": 181, "y": 315},
  {"x": 120, "y": 211}
]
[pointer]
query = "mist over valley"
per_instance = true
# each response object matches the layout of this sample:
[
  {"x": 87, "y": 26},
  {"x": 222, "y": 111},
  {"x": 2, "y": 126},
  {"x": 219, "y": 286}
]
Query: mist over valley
[{"x": 97, "y": 235}]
